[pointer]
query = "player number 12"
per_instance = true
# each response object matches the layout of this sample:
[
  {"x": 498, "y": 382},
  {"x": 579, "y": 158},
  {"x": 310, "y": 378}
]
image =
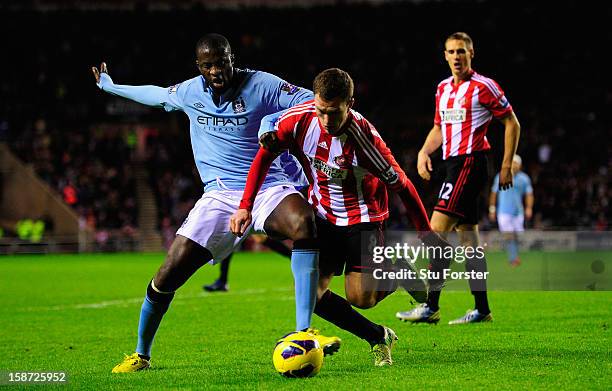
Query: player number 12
[{"x": 445, "y": 191}]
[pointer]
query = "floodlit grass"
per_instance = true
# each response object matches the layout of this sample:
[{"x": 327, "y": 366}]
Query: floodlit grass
[{"x": 79, "y": 314}]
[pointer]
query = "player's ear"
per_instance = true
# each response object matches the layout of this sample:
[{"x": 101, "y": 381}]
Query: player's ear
[{"x": 351, "y": 102}]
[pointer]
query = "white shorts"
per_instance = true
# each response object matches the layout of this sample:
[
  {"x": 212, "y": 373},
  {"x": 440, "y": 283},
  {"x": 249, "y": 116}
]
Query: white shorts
[
  {"x": 510, "y": 223},
  {"x": 208, "y": 223}
]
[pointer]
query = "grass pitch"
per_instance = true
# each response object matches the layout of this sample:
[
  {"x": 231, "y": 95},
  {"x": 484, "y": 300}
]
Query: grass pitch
[{"x": 79, "y": 314}]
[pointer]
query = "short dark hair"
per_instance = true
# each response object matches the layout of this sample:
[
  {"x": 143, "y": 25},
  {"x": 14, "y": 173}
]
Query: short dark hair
[
  {"x": 213, "y": 41},
  {"x": 461, "y": 36},
  {"x": 333, "y": 83}
]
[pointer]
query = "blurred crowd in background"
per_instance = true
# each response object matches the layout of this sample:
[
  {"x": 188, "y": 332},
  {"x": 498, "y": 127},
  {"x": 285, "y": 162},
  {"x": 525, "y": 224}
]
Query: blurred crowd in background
[{"x": 83, "y": 142}]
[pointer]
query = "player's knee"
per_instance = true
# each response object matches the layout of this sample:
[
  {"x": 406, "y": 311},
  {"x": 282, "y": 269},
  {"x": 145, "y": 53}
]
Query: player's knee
[
  {"x": 469, "y": 238},
  {"x": 361, "y": 300},
  {"x": 323, "y": 286},
  {"x": 321, "y": 292},
  {"x": 179, "y": 251},
  {"x": 302, "y": 225},
  {"x": 438, "y": 226},
  {"x": 183, "y": 259}
]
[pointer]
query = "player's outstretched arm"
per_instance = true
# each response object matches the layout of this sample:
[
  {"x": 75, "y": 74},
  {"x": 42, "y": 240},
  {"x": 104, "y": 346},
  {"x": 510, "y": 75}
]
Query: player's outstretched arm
[
  {"x": 432, "y": 142},
  {"x": 512, "y": 133},
  {"x": 147, "y": 95}
]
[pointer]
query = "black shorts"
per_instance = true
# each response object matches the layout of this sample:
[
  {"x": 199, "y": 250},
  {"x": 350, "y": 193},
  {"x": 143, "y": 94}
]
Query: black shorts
[
  {"x": 348, "y": 249},
  {"x": 459, "y": 195}
]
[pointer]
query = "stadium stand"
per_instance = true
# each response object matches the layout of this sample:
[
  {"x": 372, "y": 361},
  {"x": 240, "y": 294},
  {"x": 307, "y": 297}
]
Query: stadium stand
[{"x": 85, "y": 144}]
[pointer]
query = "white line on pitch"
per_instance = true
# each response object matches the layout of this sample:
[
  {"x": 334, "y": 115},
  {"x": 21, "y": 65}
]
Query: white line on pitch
[{"x": 126, "y": 302}]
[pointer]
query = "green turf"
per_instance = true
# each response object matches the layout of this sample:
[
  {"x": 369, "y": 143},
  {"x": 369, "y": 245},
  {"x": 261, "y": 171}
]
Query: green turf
[{"x": 78, "y": 313}]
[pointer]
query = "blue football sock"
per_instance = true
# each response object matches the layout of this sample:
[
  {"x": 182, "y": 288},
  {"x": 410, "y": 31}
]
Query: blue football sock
[
  {"x": 305, "y": 268},
  {"x": 153, "y": 308},
  {"x": 512, "y": 247}
]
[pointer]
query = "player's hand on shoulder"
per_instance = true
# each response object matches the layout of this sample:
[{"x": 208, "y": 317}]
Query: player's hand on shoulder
[
  {"x": 505, "y": 178},
  {"x": 240, "y": 221},
  {"x": 98, "y": 72},
  {"x": 269, "y": 141},
  {"x": 424, "y": 166}
]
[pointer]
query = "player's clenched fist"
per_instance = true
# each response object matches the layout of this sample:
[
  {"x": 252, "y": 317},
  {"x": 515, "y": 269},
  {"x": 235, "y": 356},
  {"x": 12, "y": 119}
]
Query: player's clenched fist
[
  {"x": 240, "y": 221},
  {"x": 505, "y": 178},
  {"x": 270, "y": 142}
]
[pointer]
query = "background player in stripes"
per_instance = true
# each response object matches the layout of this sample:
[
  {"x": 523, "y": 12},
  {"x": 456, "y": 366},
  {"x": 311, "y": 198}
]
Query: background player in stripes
[
  {"x": 507, "y": 206},
  {"x": 225, "y": 106},
  {"x": 466, "y": 102},
  {"x": 349, "y": 168}
]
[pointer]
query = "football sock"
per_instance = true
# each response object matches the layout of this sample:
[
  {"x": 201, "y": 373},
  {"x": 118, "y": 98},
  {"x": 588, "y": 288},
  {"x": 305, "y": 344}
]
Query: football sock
[
  {"x": 225, "y": 269},
  {"x": 482, "y": 302},
  {"x": 439, "y": 259},
  {"x": 410, "y": 285},
  {"x": 512, "y": 248},
  {"x": 305, "y": 268},
  {"x": 153, "y": 308},
  {"x": 278, "y": 246},
  {"x": 338, "y": 311},
  {"x": 478, "y": 287},
  {"x": 433, "y": 300}
]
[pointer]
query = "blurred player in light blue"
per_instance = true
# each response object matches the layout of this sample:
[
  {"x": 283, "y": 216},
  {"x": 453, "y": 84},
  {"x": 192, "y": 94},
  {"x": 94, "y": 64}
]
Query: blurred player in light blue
[
  {"x": 225, "y": 106},
  {"x": 507, "y": 207}
]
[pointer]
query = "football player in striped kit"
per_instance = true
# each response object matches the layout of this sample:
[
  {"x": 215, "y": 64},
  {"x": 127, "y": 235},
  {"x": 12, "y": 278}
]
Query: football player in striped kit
[
  {"x": 349, "y": 168},
  {"x": 466, "y": 102}
]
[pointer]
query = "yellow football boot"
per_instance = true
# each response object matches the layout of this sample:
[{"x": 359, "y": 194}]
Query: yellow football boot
[
  {"x": 330, "y": 345},
  {"x": 132, "y": 363}
]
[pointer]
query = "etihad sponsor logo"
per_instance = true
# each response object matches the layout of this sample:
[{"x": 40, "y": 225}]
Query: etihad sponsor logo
[
  {"x": 453, "y": 116},
  {"x": 326, "y": 169},
  {"x": 220, "y": 121}
]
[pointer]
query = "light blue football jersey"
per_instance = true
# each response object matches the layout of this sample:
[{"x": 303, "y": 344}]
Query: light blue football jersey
[
  {"x": 223, "y": 136},
  {"x": 293, "y": 170},
  {"x": 510, "y": 201}
]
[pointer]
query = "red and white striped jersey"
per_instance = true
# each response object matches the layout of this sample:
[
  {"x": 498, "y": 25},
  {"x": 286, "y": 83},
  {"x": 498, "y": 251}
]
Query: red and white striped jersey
[
  {"x": 346, "y": 172},
  {"x": 464, "y": 112}
]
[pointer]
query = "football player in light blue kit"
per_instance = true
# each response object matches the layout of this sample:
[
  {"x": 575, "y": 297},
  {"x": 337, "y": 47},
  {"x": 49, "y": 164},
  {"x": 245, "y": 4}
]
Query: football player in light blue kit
[
  {"x": 225, "y": 106},
  {"x": 509, "y": 209}
]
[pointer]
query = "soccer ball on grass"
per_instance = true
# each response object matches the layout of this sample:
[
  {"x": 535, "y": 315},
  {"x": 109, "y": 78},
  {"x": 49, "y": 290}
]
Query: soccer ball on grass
[{"x": 298, "y": 354}]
